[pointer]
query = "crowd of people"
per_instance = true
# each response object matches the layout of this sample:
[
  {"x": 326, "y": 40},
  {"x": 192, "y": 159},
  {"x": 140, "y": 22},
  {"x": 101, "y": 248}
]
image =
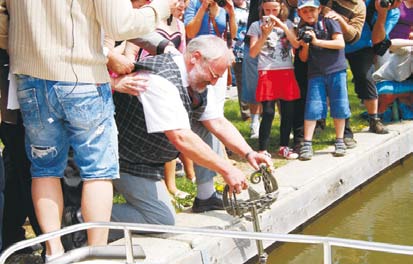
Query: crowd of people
[{"x": 103, "y": 95}]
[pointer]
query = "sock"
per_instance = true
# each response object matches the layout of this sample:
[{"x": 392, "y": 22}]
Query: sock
[
  {"x": 308, "y": 143},
  {"x": 339, "y": 140},
  {"x": 373, "y": 116},
  {"x": 205, "y": 189},
  {"x": 255, "y": 119}
]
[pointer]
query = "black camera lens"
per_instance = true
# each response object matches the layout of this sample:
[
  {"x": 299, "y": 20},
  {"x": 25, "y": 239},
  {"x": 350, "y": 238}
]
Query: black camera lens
[
  {"x": 307, "y": 38},
  {"x": 221, "y": 3},
  {"x": 386, "y": 3}
]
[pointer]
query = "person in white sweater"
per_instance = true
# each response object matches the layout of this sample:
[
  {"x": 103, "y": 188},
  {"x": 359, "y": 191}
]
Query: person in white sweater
[{"x": 63, "y": 89}]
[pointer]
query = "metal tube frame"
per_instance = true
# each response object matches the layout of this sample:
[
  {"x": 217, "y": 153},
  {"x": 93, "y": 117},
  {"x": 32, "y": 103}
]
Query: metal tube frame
[{"x": 327, "y": 242}]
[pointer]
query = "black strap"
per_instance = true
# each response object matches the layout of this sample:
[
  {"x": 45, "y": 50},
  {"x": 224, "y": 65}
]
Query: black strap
[{"x": 370, "y": 13}]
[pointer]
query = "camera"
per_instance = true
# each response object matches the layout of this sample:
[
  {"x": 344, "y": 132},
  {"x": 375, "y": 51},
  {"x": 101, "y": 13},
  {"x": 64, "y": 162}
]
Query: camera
[
  {"x": 221, "y": 3},
  {"x": 266, "y": 20},
  {"x": 303, "y": 35},
  {"x": 386, "y": 3}
]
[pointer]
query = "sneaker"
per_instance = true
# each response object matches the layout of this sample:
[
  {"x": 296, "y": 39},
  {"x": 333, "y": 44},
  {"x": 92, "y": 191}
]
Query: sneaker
[
  {"x": 306, "y": 152},
  {"x": 376, "y": 126},
  {"x": 287, "y": 153},
  {"x": 212, "y": 203},
  {"x": 350, "y": 142},
  {"x": 340, "y": 149},
  {"x": 255, "y": 130}
]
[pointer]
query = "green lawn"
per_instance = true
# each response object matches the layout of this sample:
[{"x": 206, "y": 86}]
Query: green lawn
[{"x": 321, "y": 140}]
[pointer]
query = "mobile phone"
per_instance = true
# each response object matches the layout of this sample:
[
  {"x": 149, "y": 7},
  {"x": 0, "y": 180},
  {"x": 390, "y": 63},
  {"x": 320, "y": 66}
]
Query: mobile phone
[{"x": 266, "y": 20}]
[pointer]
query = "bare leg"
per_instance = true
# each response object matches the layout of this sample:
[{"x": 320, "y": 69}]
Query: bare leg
[
  {"x": 255, "y": 108},
  {"x": 170, "y": 176},
  {"x": 97, "y": 196},
  {"x": 48, "y": 204},
  {"x": 339, "y": 125},
  {"x": 309, "y": 126},
  {"x": 371, "y": 105},
  {"x": 188, "y": 167}
]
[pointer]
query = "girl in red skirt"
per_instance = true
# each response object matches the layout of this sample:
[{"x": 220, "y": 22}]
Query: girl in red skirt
[{"x": 272, "y": 40}]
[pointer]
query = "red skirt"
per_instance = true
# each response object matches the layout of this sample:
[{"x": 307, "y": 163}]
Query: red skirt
[{"x": 277, "y": 84}]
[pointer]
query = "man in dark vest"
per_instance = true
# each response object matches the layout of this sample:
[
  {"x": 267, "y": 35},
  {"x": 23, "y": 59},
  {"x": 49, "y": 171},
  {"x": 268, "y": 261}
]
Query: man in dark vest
[{"x": 155, "y": 126}]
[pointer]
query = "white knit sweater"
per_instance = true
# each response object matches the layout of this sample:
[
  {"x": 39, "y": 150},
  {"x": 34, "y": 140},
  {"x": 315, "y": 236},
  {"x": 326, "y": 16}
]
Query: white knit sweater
[{"x": 59, "y": 39}]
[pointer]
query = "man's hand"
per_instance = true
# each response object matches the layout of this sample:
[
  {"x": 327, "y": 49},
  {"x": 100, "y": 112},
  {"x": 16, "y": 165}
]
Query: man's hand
[
  {"x": 119, "y": 64},
  {"x": 236, "y": 180},
  {"x": 132, "y": 84},
  {"x": 335, "y": 16},
  {"x": 255, "y": 159}
]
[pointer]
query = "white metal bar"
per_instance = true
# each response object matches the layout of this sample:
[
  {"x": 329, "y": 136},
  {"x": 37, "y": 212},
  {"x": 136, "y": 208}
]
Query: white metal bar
[
  {"x": 327, "y": 252},
  {"x": 128, "y": 246},
  {"x": 293, "y": 238}
]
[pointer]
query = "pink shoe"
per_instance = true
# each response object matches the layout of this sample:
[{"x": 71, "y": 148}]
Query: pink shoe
[{"x": 287, "y": 153}]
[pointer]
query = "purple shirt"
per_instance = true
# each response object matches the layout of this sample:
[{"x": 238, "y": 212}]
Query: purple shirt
[{"x": 405, "y": 24}]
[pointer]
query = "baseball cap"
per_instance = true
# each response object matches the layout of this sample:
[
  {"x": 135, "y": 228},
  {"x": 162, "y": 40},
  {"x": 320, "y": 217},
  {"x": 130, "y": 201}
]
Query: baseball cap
[{"x": 304, "y": 3}]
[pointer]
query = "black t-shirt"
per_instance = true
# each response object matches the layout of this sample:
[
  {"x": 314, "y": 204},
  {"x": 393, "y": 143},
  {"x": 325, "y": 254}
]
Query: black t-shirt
[{"x": 322, "y": 61}]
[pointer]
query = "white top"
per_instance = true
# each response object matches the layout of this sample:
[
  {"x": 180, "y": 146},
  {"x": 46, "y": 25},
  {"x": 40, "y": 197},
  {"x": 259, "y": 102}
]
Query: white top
[
  {"x": 276, "y": 54},
  {"x": 164, "y": 109}
]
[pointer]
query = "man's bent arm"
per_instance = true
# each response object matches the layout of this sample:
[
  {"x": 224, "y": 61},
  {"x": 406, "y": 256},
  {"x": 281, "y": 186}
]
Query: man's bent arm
[
  {"x": 228, "y": 134},
  {"x": 193, "y": 147}
]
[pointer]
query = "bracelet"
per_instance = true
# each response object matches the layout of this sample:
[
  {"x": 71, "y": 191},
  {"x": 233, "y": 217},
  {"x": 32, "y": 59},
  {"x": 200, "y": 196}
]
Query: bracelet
[{"x": 249, "y": 153}]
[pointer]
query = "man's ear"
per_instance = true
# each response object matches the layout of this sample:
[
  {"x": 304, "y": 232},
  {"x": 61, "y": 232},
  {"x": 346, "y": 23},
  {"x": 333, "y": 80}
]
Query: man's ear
[{"x": 195, "y": 56}]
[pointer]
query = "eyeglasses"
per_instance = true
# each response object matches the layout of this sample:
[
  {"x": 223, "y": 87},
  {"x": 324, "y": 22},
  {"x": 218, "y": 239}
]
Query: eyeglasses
[{"x": 213, "y": 74}]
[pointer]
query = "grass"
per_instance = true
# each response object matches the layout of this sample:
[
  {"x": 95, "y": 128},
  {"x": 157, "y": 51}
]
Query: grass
[{"x": 320, "y": 141}]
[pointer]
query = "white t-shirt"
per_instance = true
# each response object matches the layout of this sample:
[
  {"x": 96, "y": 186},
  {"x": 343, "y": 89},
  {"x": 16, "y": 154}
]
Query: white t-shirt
[
  {"x": 163, "y": 106},
  {"x": 276, "y": 52}
]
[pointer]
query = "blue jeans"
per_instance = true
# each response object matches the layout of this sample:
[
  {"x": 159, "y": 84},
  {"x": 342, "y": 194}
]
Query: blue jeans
[
  {"x": 57, "y": 115},
  {"x": 334, "y": 86},
  {"x": 147, "y": 202},
  {"x": 249, "y": 77}
]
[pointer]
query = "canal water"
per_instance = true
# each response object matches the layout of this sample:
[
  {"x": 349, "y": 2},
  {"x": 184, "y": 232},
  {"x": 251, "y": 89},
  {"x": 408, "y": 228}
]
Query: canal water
[{"x": 381, "y": 211}]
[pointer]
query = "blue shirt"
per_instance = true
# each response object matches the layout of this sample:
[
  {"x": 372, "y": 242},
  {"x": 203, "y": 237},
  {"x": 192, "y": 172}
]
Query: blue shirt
[
  {"x": 323, "y": 61},
  {"x": 206, "y": 26},
  {"x": 365, "y": 38}
]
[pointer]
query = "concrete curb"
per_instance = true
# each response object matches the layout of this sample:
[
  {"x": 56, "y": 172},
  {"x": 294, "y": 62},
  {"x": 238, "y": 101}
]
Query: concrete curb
[{"x": 306, "y": 189}]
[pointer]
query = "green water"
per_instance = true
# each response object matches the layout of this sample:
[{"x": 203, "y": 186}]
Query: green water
[{"x": 381, "y": 211}]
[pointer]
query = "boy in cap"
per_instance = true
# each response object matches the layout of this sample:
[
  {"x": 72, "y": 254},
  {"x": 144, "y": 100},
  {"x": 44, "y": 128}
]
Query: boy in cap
[{"x": 322, "y": 46}]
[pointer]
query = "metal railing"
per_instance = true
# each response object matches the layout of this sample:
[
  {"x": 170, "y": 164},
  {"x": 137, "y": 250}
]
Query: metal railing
[{"x": 327, "y": 242}]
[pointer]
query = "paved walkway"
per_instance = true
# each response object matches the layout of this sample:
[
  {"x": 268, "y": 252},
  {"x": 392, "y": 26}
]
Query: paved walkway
[{"x": 306, "y": 189}]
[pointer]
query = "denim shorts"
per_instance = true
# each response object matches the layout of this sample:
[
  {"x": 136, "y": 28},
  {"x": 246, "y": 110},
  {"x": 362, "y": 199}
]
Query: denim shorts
[
  {"x": 59, "y": 115},
  {"x": 334, "y": 86},
  {"x": 249, "y": 77}
]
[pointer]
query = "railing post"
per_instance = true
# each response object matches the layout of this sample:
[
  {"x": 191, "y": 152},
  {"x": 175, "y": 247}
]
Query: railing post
[
  {"x": 327, "y": 252},
  {"x": 128, "y": 246},
  {"x": 262, "y": 255}
]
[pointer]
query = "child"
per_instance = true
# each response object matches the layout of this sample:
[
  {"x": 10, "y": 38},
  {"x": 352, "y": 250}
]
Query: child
[
  {"x": 271, "y": 39},
  {"x": 326, "y": 74}
]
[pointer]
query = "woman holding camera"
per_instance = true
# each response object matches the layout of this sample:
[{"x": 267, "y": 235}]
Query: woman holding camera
[
  {"x": 272, "y": 39},
  {"x": 203, "y": 17},
  {"x": 210, "y": 17}
]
